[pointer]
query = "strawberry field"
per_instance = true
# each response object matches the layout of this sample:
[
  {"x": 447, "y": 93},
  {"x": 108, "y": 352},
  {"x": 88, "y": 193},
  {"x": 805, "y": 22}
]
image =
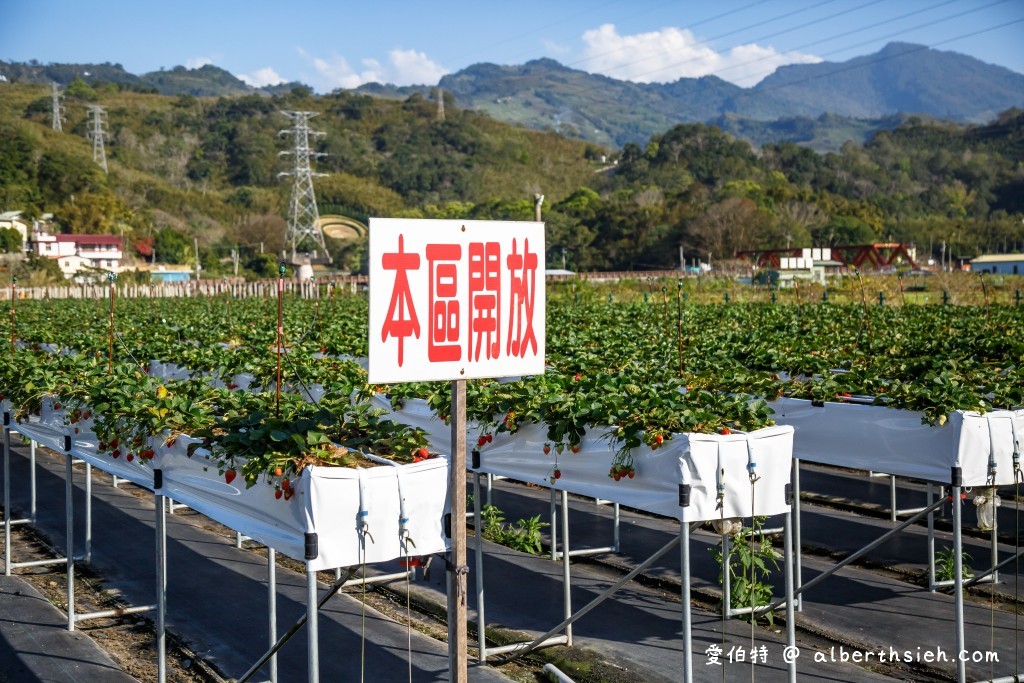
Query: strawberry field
[{"x": 641, "y": 371}]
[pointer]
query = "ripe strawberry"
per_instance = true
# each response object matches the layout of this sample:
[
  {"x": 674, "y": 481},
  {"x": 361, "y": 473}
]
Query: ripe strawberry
[
  {"x": 631, "y": 473},
  {"x": 278, "y": 493},
  {"x": 424, "y": 454},
  {"x": 129, "y": 457},
  {"x": 659, "y": 439},
  {"x": 576, "y": 448},
  {"x": 286, "y": 485},
  {"x": 481, "y": 441},
  {"x": 547, "y": 449},
  {"x": 229, "y": 476},
  {"x": 116, "y": 453},
  {"x": 490, "y": 438},
  {"x": 725, "y": 431},
  {"x": 56, "y": 406},
  {"x": 558, "y": 474}
]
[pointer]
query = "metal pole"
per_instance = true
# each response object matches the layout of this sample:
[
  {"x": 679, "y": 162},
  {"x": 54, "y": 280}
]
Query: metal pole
[
  {"x": 958, "y": 575},
  {"x": 726, "y": 576},
  {"x": 798, "y": 539},
  {"x": 566, "y": 579},
  {"x": 790, "y": 615},
  {"x": 69, "y": 519},
  {"x": 615, "y": 529},
  {"x": 481, "y": 621},
  {"x": 313, "y": 631},
  {"x": 272, "y": 607},
  {"x": 161, "y": 587},
  {"x": 32, "y": 482},
  {"x": 554, "y": 527},
  {"x": 892, "y": 498},
  {"x": 981, "y": 575},
  {"x": 995, "y": 541},
  {"x": 931, "y": 542},
  {"x": 684, "y": 577},
  {"x": 7, "y": 496},
  {"x": 88, "y": 513}
]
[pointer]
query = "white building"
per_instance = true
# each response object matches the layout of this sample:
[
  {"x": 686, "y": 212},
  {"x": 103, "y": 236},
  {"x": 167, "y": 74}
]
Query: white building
[
  {"x": 77, "y": 252},
  {"x": 1003, "y": 264}
]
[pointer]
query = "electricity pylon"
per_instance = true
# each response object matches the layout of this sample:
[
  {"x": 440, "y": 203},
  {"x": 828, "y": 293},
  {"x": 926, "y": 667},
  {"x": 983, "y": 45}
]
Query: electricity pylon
[
  {"x": 97, "y": 132},
  {"x": 58, "y": 109},
  {"x": 303, "y": 215}
]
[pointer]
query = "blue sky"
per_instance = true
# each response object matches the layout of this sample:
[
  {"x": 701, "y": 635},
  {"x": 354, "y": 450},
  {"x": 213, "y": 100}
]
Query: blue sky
[{"x": 342, "y": 44}]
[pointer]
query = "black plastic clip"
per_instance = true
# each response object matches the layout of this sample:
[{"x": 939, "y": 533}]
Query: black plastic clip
[
  {"x": 7, "y": 419},
  {"x": 684, "y": 495},
  {"x": 67, "y": 443},
  {"x": 158, "y": 479},
  {"x": 476, "y": 459},
  {"x": 312, "y": 546},
  {"x": 448, "y": 525},
  {"x": 956, "y": 477}
]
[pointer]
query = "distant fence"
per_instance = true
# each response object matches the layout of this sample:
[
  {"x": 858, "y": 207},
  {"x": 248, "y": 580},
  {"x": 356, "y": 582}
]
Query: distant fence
[{"x": 323, "y": 286}]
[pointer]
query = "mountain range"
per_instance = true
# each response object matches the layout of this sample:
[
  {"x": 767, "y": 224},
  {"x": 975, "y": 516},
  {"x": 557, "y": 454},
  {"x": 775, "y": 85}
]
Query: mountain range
[{"x": 818, "y": 105}]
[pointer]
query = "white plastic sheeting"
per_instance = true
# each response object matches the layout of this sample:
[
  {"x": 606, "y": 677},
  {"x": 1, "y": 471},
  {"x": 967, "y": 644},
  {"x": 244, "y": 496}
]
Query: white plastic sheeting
[
  {"x": 359, "y": 515},
  {"x": 897, "y": 442},
  {"x": 700, "y": 460}
]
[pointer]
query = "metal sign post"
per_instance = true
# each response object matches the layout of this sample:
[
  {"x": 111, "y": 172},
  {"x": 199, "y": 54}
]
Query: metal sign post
[{"x": 449, "y": 301}]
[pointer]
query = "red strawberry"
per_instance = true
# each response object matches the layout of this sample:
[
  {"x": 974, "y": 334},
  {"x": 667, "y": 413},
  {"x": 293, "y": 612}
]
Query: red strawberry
[
  {"x": 129, "y": 457},
  {"x": 423, "y": 453},
  {"x": 490, "y": 438},
  {"x": 286, "y": 485},
  {"x": 116, "y": 453},
  {"x": 576, "y": 448},
  {"x": 230, "y": 475},
  {"x": 725, "y": 431},
  {"x": 547, "y": 449},
  {"x": 278, "y": 493},
  {"x": 558, "y": 474},
  {"x": 659, "y": 439},
  {"x": 481, "y": 441},
  {"x": 631, "y": 473}
]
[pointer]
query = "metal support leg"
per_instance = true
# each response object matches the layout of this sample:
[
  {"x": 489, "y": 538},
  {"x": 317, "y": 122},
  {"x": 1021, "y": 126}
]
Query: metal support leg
[
  {"x": 615, "y": 530},
  {"x": 797, "y": 538},
  {"x": 788, "y": 569},
  {"x": 161, "y": 587},
  {"x": 7, "y": 500},
  {"x": 684, "y": 579},
  {"x": 32, "y": 482},
  {"x": 931, "y": 542},
  {"x": 995, "y": 541},
  {"x": 726, "y": 577},
  {"x": 481, "y": 621},
  {"x": 566, "y": 579},
  {"x": 490, "y": 486},
  {"x": 272, "y": 607},
  {"x": 554, "y": 527},
  {"x": 958, "y": 577},
  {"x": 69, "y": 518},
  {"x": 313, "y": 630},
  {"x": 88, "y": 514},
  {"x": 892, "y": 498}
]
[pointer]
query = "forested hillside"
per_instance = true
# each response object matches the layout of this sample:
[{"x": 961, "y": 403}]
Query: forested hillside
[{"x": 207, "y": 167}]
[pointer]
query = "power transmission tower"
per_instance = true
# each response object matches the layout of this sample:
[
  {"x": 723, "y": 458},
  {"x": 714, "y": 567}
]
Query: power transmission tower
[
  {"x": 303, "y": 216},
  {"x": 97, "y": 132},
  {"x": 440, "y": 103},
  {"x": 58, "y": 109}
]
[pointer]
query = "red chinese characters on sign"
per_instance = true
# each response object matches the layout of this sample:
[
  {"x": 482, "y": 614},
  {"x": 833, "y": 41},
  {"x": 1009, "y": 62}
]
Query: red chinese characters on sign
[
  {"x": 476, "y": 299},
  {"x": 523, "y": 268},
  {"x": 484, "y": 299},
  {"x": 443, "y": 340},
  {"x": 401, "y": 319}
]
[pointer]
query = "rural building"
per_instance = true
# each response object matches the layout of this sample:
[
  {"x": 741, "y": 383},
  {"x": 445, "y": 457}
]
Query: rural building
[
  {"x": 96, "y": 251},
  {"x": 1003, "y": 264}
]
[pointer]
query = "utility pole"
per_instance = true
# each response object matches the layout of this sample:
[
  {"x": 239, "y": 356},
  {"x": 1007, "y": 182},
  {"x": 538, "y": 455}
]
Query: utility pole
[
  {"x": 303, "y": 216},
  {"x": 538, "y": 199},
  {"x": 195, "y": 245},
  {"x": 58, "y": 109},
  {"x": 440, "y": 103},
  {"x": 97, "y": 132}
]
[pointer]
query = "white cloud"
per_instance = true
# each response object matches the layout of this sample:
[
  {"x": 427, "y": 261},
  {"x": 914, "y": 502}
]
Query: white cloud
[
  {"x": 404, "y": 67},
  {"x": 673, "y": 53},
  {"x": 261, "y": 77},
  {"x": 197, "y": 62}
]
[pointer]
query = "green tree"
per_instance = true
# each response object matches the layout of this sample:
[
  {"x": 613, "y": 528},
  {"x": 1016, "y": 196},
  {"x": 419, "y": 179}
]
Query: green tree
[
  {"x": 171, "y": 246},
  {"x": 81, "y": 90},
  {"x": 10, "y": 241}
]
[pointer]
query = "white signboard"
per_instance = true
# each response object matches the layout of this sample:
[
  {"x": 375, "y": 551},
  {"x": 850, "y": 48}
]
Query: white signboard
[{"x": 452, "y": 299}]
